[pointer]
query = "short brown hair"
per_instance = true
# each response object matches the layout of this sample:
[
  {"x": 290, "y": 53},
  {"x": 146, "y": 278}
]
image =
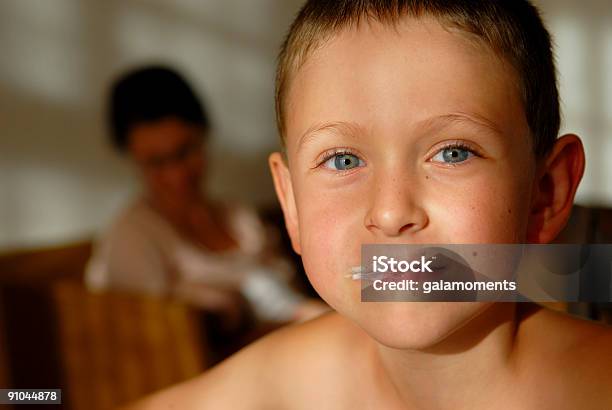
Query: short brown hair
[{"x": 512, "y": 28}]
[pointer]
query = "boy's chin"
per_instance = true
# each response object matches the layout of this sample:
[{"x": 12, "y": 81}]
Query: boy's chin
[{"x": 417, "y": 325}]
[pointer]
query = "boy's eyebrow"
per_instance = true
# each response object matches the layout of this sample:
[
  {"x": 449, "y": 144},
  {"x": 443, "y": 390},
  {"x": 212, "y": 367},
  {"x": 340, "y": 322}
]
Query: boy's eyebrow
[
  {"x": 473, "y": 118},
  {"x": 340, "y": 127},
  {"x": 352, "y": 128}
]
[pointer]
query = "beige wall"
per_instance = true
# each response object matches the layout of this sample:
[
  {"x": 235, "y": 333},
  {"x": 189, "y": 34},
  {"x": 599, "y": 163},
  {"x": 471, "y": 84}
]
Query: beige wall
[{"x": 58, "y": 179}]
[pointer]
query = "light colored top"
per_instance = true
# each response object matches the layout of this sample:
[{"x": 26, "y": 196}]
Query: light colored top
[{"x": 143, "y": 252}]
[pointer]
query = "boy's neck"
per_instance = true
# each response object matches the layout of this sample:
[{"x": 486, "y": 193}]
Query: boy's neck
[{"x": 469, "y": 369}]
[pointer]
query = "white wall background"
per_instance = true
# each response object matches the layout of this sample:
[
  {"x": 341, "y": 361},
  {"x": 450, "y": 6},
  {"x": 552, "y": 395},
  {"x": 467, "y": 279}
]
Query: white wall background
[{"x": 59, "y": 181}]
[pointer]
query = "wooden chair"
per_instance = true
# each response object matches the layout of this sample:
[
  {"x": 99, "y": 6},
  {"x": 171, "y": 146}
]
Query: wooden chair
[
  {"x": 102, "y": 349},
  {"x": 117, "y": 347}
]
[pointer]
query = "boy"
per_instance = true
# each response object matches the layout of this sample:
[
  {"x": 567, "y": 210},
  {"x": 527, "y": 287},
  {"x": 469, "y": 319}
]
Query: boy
[{"x": 413, "y": 122}]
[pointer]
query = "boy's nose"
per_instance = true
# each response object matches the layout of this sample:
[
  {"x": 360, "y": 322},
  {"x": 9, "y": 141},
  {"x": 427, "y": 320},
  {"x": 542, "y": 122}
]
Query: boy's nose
[{"x": 395, "y": 210}]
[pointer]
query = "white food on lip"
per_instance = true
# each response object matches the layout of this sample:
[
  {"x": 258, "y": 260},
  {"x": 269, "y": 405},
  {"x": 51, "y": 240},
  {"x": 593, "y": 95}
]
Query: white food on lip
[{"x": 358, "y": 272}]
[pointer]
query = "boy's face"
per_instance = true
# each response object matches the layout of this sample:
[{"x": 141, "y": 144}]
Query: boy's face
[{"x": 409, "y": 136}]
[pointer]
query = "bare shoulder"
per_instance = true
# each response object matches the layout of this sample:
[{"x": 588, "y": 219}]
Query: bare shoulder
[
  {"x": 269, "y": 373},
  {"x": 583, "y": 338},
  {"x": 572, "y": 353}
]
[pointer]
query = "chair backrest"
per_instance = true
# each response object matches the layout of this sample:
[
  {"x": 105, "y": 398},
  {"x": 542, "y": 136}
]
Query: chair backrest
[
  {"x": 118, "y": 347},
  {"x": 102, "y": 349}
]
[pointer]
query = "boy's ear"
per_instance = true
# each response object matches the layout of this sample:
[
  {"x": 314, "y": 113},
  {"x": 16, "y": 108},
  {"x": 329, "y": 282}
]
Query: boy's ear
[
  {"x": 284, "y": 192},
  {"x": 557, "y": 180}
]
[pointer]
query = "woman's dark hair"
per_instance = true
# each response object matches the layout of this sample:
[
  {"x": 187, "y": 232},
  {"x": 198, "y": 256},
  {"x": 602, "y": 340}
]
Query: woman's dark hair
[{"x": 149, "y": 94}]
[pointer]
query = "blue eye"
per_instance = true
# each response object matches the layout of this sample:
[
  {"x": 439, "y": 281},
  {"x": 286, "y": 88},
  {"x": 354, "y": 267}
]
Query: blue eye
[
  {"x": 453, "y": 154},
  {"x": 343, "y": 162}
]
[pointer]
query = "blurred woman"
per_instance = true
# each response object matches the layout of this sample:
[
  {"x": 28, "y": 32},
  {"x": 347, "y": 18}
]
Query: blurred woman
[{"x": 173, "y": 240}]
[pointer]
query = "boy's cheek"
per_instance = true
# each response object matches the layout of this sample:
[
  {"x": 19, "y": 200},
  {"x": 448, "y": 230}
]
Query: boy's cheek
[
  {"x": 500, "y": 224},
  {"x": 331, "y": 244},
  {"x": 484, "y": 211}
]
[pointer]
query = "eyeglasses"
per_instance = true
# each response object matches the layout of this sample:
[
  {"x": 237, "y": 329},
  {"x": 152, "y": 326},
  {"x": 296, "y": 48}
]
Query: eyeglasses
[{"x": 180, "y": 155}]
